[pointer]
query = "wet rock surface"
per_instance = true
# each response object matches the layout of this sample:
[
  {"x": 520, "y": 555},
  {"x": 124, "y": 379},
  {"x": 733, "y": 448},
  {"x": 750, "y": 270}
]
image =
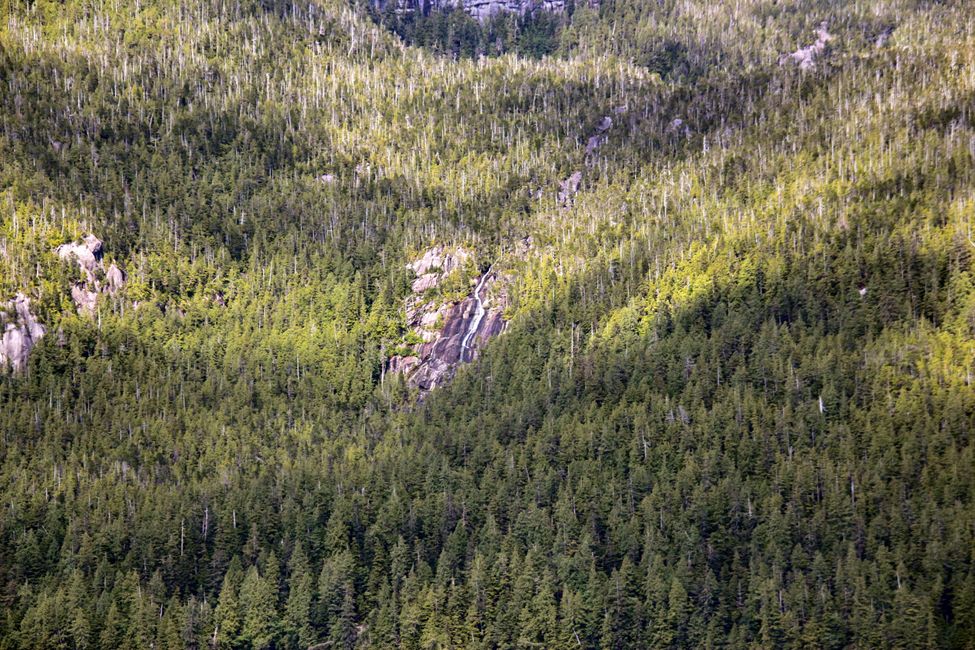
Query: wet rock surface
[
  {"x": 21, "y": 332},
  {"x": 450, "y": 333}
]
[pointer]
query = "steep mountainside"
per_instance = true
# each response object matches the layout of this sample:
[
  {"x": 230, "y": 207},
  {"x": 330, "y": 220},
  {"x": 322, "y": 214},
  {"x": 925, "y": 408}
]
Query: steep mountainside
[
  {"x": 480, "y": 9},
  {"x": 652, "y": 327}
]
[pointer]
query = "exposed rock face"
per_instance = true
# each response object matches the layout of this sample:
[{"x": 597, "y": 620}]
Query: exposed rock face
[
  {"x": 483, "y": 9},
  {"x": 450, "y": 333},
  {"x": 21, "y": 332},
  {"x": 568, "y": 188},
  {"x": 435, "y": 265},
  {"x": 480, "y": 9},
  {"x": 883, "y": 37},
  {"x": 678, "y": 127},
  {"x": 84, "y": 299},
  {"x": 467, "y": 326},
  {"x": 19, "y": 329},
  {"x": 594, "y": 143},
  {"x": 599, "y": 137},
  {"x": 807, "y": 57},
  {"x": 115, "y": 277},
  {"x": 88, "y": 254},
  {"x": 403, "y": 364}
]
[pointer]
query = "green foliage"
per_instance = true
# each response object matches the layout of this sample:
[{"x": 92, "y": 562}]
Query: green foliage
[
  {"x": 455, "y": 33},
  {"x": 733, "y": 404}
]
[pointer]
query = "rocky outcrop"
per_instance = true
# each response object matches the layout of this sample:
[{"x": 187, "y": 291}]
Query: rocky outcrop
[
  {"x": 449, "y": 333},
  {"x": 88, "y": 254},
  {"x": 568, "y": 188},
  {"x": 21, "y": 332},
  {"x": 599, "y": 138},
  {"x": 436, "y": 264},
  {"x": 84, "y": 299},
  {"x": 883, "y": 37},
  {"x": 115, "y": 278},
  {"x": 807, "y": 57},
  {"x": 482, "y": 9},
  {"x": 679, "y": 127},
  {"x": 19, "y": 329},
  {"x": 97, "y": 279}
]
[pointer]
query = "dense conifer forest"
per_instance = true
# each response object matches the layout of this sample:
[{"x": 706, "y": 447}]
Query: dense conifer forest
[{"x": 733, "y": 405}]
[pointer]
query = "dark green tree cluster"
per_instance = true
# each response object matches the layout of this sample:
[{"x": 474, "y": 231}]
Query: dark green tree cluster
[{"x": 455, "y": 33}]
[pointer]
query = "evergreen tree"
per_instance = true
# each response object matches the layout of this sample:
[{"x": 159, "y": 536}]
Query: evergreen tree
[
  {"x": 298, "y": 610},
  {"x": 258, "y": 606},
  {"x": 227, "y": 616}
]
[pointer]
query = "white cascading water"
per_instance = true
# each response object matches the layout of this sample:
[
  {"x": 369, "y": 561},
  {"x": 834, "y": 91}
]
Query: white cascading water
[{"x": 475, "y": 322}]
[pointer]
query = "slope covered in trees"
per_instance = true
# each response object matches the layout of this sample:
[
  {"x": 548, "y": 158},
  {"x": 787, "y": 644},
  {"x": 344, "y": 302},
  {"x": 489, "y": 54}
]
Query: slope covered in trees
[{"x": 733, "y": 406}]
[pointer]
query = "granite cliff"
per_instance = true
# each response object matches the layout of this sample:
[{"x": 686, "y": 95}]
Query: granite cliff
[{"x": 20, "y": 332}]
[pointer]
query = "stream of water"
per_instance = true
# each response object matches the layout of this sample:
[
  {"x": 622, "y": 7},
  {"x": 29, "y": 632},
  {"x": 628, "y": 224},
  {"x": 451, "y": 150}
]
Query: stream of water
[{"x": 466, "y": 354}]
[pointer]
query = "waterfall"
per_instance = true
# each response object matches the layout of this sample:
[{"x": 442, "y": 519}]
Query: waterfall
[{"x": 466, "y": 354}]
